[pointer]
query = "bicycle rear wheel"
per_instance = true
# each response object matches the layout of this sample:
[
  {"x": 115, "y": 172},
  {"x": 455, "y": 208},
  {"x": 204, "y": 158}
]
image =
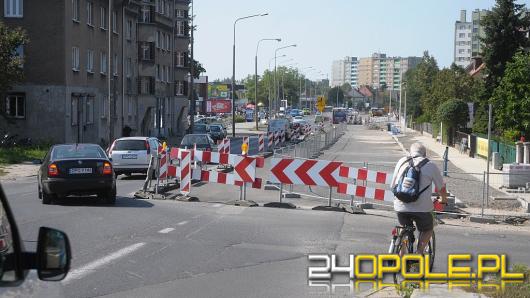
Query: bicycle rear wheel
[{"x": 404, "y": 245}]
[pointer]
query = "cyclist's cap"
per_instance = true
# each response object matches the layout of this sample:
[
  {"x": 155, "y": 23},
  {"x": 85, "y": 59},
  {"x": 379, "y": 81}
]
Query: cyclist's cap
[{"x": 417, "y": 149}]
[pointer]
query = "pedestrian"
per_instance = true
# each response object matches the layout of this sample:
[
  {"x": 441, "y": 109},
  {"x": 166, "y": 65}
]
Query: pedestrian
[{"x": 419, "y": 209}]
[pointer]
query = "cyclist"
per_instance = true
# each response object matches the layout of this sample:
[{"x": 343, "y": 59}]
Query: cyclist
[{"x": 420, "y": 211}]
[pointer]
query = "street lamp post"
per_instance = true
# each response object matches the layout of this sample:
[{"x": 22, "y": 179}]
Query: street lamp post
[
  {"x": 256, "y": 78},
  {"x": 234, "y": 71},
  {"x": 305, "y": 85},
  {"x": 269, "y": 84},
  {"x": 276, "y": 56}
]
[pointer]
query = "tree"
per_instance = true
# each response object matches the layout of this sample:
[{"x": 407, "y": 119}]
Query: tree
[
  {"x": 511, "y": 99},
  {"x": 418, "y": 85},
  {"x": 505, "y": 29},
  {"x": 198, "y": 69},
  {"x": 332, "y": 96},
  {"x": 11, "y": 71},
  {"x": 453, "y": 113}
]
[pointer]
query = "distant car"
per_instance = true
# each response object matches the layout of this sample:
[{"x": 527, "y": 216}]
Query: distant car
[
  {"x": 298, "y": 118},
  {"x": 339, "y": 116},
  {"x": 200, "y": 141},
  {"x": 132, "y": 154},
  {"x": 76, "y": 169},
  {"x": 306, "y": 111},
  {"x": 217, "y": 132},
  {"x": 201, "y": 128},
  {"x": 294, "y": 112}
]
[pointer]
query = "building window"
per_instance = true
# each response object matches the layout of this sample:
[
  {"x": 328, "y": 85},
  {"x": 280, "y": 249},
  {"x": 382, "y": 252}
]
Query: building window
[
  {"x": 128, "y": 67},
  {"x": 89, "y": 14},
  {"x": 13, "y": 8},
  {"x": 461, "y": 35},
  {"x": 115, "y": 65},
  {"x": 461, "y": 51},
  {"x": 180, "y": 28},
  {"x": 19, "y": 53},
  {"x": 90, "y": 61},
  {"x": 180, "y": 59},
  {"x": 74, "y": 106},
  {"x": 167, "y": 8},
  {"x": 146, "y": 14},
  {"x": 167, "y": 42},
  {"x": 104, "y": 106},
  {"x": 114, "y": 22},
  {"x": 129, "y": 29},
  {"x": 103, "y": 18},
  {"x": 75, "y": 58},
  {"x": 89, "y": 115},
  {"x": 157, "y": 39},
  {"x": 157, "y": 70},
  {"x": 179, "y": 88},
  {"x": 181, "y": 13},
  {"x": 16, "y": 106},
  {"x": 103, "y": 63},
  {"x": 75, "y": 10}
]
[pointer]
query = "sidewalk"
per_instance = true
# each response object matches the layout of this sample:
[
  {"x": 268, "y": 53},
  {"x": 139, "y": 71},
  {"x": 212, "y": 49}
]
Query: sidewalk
[{"x": 465, "y": 177}]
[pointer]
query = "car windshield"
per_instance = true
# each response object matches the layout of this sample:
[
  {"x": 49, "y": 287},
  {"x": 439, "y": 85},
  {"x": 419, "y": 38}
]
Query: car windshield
[
  {"x": 194, "y": 139},
  {"x": 130, "y": 145},
  {"x": 77, "y": 151},
  {"x": 200, "y": 128},
  {"x": 215, "y": 128}
]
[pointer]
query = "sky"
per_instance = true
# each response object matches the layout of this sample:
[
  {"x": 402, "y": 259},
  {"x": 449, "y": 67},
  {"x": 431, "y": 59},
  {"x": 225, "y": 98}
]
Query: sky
[{"x": 324, "y": 30}]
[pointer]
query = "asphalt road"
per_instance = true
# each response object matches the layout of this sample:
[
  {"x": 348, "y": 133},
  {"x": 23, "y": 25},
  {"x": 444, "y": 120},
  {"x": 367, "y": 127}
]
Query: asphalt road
[{"x": 142, "y": 248}]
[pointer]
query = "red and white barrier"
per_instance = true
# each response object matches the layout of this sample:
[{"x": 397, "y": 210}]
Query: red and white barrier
[
  {"x": 276, "y": 138},
  {"x": 283, "y": 136},
  {"x": 305, "y": 172},
  {"x": 185, "y": 172},
  {"x": 366, "y": 192},
  {"x": 226, "y": 178},
  {"x": 261, "y": 142},
  {"x": 224, "y": 146},
  {"x": 270, "y": 140},
  {"x": 365, "y": 175},
  {"x": 162, "y": 166}
]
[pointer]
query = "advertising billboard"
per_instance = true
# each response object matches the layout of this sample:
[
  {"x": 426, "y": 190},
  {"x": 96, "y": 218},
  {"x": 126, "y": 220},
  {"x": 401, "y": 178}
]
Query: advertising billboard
[{"x": 218, "y": 106}]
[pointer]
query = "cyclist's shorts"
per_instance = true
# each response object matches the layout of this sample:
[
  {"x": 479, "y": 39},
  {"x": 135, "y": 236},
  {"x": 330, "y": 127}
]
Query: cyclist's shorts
[{"x": 423, "y": 220}]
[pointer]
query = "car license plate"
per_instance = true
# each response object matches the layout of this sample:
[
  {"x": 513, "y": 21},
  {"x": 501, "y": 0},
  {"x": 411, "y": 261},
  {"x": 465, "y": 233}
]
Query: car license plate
[
  {"x": 129, "y": 156},
  {"x": 81, "y": 171}
]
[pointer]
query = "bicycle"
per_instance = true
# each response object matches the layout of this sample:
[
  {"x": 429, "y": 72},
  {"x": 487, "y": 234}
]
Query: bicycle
[{"x": 404, "y": 240}]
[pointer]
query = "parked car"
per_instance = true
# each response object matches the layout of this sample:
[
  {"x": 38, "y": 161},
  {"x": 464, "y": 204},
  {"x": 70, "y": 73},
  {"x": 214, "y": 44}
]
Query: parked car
[
  {"x": 306, "y": 111},
  {"x": 217, "y": 132},
  {"x": 339, "y": 116},
  {"x": 294, "y": 112},
  {"x": 76, "y": 169},
  {"x": 51, "y": 259},
  {"x": 280, "y": 124},
  {"x": 132, "y": 154},
  {"x": 200, "y": 141}
]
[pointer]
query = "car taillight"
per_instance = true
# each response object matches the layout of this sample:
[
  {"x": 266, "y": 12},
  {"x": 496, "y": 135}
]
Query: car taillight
[
  {"x": 53, "y": 170},
  {"x": 107, "y": 168},
  {"x": 147, "y": 147}
]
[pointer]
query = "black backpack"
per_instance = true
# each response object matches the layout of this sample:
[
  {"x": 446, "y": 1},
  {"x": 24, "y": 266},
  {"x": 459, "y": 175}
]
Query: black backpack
[{"x": 407, "y": 188}]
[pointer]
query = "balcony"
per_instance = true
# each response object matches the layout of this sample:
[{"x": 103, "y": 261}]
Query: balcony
[{"x": 146, "y": 51}]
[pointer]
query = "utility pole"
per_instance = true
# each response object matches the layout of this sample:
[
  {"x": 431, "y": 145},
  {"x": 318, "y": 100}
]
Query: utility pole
[
  {"x": 191, "y": 94},
  {"x": 109, "y": 73}
]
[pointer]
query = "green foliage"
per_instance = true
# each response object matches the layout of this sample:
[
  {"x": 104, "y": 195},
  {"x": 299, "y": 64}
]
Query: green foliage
[
  {"x": 503, "y": 38},
  {"x": 11, "y": 71},
  {"x": 288, "y": 81},
  {"x": 453, "y": 113},
  {"x": 332, "y": 96},
  {"x": 511, "y": 99},
  {"x": 419, "y": 81},
  {"x": 422, "y": 119},
  {"x": 239, "y": 119},
  {"x": 20, "y": 154},
  {"x": 198, "y": 69}
]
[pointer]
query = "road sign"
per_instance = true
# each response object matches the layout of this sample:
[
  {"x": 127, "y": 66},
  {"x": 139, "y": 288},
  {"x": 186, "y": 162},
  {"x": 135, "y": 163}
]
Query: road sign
[
  {"x": 321, "y": 103},
  {"x": 305, "y": 172}
]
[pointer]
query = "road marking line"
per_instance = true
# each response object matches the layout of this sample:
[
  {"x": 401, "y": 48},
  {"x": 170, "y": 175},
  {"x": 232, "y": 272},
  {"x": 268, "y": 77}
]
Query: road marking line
[
  {"x": 182, "y": 223},
  {"x": 92, "y": 266},
  {"x": 166, "y": 230}
]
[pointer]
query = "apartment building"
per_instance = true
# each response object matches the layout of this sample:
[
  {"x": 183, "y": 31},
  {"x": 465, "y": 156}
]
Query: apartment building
[
  {"x": 77, "y": 90},
  {"x": 380, "y": 70},
  {"x": 344, "y": 71},
  {"x": 467, "y": 44}
]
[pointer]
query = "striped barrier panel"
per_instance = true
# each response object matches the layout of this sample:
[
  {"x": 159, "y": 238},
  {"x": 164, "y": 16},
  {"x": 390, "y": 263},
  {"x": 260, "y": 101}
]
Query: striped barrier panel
[
  {"x": 261, "y": 142},
  {"x": 270, "y": 139}
]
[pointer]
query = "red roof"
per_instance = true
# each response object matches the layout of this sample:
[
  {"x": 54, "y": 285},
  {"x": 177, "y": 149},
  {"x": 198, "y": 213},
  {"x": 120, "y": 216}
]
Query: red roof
[{"x": 365, "y": 91}]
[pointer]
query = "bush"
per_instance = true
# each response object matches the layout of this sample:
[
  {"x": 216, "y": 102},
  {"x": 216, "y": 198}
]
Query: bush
[
  {"x": 21, "y": 154},
  {"x": 239, "y": 119}
]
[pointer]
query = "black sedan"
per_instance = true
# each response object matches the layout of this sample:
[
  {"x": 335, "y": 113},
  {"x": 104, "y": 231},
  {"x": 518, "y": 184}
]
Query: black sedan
[{"x": 76, "y": 169}]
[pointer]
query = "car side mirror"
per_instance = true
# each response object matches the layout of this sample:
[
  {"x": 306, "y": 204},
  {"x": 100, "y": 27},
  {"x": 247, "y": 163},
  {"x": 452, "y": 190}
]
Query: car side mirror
[{"x": 53, "y": 254}]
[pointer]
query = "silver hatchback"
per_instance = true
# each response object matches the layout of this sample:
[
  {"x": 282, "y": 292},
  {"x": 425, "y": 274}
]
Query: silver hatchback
[{"x": 132, "y": 154}]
